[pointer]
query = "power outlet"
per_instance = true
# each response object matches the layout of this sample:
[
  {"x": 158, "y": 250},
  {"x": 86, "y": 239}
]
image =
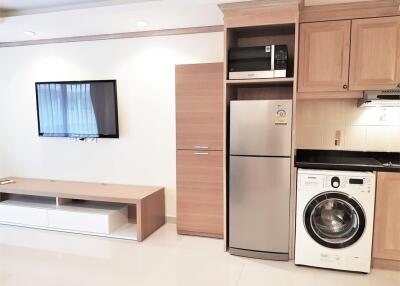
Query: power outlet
[{"x": 338, "y": 137}]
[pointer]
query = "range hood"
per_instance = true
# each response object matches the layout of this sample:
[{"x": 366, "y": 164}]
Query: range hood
[{"x": 380, "y": 98}]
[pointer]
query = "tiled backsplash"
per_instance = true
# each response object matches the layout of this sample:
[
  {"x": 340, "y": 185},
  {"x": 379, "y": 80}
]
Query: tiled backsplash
[{"x": 366, "y": 128}]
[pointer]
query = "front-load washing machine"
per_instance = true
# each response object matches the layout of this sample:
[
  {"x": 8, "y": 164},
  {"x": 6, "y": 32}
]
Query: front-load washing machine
[{"x": 334, "y": 219}]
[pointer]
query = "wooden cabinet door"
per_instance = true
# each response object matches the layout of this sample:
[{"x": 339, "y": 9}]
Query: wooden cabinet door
[
  {"x": 324, "y": 52},
  {"x": 375, "y": 52},
  {"x": 387, "y": 217},
  {"x": 200, "y": 193},
  {"x": 199, "y": 106}
]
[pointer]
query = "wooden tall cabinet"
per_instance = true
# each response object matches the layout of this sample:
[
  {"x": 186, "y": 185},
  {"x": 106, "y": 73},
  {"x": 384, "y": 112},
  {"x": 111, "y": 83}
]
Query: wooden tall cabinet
[
  {"x": 257, "y": 23},
  {"x": 200, "y": 156},
  {"x": 324, "y": 52},
  {"x": 386, "y": 246},
  {"x": 375, "y": 53},
  {"x": 199, "y": 106}
]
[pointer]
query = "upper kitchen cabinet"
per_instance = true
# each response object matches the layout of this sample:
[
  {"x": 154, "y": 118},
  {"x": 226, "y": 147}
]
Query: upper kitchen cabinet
[
  {"x": 324, "y": 52},
  {"x": 375, "y": 54},
  {"x": 199, "y": 106}
]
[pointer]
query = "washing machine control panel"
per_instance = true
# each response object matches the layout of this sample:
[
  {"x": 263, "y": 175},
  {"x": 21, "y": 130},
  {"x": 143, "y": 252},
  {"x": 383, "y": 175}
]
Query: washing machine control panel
[{"x": 342, "y": 182}]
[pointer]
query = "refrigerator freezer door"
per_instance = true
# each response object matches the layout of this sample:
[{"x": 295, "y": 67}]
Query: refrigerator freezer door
[
  {"x": 261, "y": 127},
  {"x": 259, "y": 197}
]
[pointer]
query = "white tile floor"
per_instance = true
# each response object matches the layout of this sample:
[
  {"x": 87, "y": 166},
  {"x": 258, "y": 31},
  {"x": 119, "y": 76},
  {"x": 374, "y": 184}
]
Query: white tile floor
[{"x": 35, "y": 257}]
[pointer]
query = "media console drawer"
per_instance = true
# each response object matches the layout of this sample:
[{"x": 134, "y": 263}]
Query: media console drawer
[
  {"x": 89, "y": 217},
  {"x": 18, "y": 213}
]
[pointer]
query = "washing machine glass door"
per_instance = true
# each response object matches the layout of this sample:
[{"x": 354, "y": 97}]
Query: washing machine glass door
[{"x": 334, "y": 219}]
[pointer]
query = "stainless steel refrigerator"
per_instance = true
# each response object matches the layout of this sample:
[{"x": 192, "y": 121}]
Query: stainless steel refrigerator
[{"x": 259, "y": 178}]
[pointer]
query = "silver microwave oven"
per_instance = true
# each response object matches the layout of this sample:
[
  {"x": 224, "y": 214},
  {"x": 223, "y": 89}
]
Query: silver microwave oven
[{"x": 258, "y": 62}]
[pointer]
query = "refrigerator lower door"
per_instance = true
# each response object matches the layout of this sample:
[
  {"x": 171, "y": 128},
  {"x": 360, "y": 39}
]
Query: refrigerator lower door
[{"x": 259, "y": 195}]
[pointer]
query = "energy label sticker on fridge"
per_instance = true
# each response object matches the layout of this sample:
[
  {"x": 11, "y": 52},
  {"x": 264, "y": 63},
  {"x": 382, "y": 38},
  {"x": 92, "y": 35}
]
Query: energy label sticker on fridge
[{"x": 281, "y": 117}]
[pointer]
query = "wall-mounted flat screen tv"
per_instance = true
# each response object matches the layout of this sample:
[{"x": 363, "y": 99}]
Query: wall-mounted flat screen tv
[{"x": 77, "y": 109}]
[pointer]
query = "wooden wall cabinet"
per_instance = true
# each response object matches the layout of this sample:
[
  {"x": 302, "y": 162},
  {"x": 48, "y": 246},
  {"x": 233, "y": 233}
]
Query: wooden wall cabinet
[
  {"x": 200, "y": 145},
  {"x": 375, "y": 53},
  {"x": 324, "y": 52},
  {"x": 331, "y": 67},
  {"x": 386, "y": 244}
]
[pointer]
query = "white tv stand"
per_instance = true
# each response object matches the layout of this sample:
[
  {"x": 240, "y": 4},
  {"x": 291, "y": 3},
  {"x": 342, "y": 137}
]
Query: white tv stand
[{"x": 118, "y": 211}]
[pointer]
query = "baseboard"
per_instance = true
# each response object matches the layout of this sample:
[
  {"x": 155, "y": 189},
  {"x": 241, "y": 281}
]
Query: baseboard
[
  {"x": 201, "y": 234},
  {"x": 386, "y": 264},
  {"x": 170, "y": 219}
]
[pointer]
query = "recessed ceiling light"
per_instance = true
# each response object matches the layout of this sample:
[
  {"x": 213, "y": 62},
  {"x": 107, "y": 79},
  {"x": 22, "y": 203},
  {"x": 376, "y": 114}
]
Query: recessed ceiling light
[
  {"x": 142, "y": 24},
  {"x": 29, "y": 33}
]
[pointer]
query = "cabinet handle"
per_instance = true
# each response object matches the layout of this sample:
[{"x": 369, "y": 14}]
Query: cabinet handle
[
  {"x": 200, "y": 153},
  {"x": 345, "y": 86},
  {"x": 200, "y": 147}
]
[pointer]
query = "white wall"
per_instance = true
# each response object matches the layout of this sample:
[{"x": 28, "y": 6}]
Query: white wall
[
  {"x": 145, "y": 71},
  {"x": 2, "y": 173}
]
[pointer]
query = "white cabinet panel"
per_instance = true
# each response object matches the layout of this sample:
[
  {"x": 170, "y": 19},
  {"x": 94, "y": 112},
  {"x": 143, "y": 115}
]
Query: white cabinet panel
[
  {"x": 18, "y": 213},
  {"x": 92, "y": 218}
]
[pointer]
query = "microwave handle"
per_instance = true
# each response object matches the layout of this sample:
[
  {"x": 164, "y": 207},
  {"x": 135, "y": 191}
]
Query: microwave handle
[{"x": 273, "y": 57}]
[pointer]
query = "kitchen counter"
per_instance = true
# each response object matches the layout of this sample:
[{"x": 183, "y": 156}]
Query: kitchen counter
[{"x": 348, "y": 160}]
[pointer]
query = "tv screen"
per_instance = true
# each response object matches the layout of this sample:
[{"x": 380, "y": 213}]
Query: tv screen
[{"x": 84, "y": 109}]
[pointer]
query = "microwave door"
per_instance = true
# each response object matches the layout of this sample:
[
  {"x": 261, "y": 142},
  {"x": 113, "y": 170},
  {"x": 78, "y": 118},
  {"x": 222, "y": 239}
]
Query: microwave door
[{"x": 251, "y": 59}]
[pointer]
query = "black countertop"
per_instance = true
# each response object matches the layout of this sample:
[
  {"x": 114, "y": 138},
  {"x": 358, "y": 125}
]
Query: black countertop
[{"x": 348, "y": 160}]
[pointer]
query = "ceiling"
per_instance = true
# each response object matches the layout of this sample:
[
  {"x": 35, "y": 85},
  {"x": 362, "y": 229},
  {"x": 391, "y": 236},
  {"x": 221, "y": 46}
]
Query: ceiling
[
  {"x": 21, "y": 7},
  {"x": 69, "y": 18},
  {"x": 120, "y": 17},
  {"x": 36, "y": 4}
]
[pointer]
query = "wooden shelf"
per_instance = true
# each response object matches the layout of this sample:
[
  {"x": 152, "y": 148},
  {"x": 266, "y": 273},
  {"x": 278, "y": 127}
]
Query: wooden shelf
[{"x": 271, "y": 81}]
